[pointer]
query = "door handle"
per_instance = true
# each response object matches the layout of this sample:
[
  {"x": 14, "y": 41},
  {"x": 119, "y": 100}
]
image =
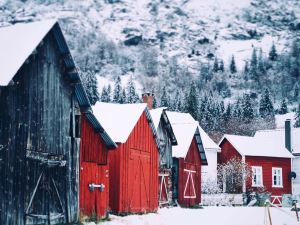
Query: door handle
[{"x": 93, "y": 186}]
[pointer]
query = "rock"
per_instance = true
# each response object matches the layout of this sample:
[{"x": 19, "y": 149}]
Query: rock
[
  {"x": 203, "y": 41},
  {"x": 133, "y": 41}
]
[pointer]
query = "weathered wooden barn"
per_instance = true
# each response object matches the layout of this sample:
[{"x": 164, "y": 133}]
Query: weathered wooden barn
[
  {"x": 94, "y": 169},
  {"x": 167, "y": 139},
  {"x": 269, "y": 162},
  {"x": 41, "y": 100},
  {"x": 133, "y": 166},
  {"x": 188, "y": 157}
]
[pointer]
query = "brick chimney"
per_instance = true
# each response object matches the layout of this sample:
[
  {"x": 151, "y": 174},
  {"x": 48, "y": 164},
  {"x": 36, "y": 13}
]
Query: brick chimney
[
  {"x": 288, "y": 134},
  {"x": 148, "y": 98}
]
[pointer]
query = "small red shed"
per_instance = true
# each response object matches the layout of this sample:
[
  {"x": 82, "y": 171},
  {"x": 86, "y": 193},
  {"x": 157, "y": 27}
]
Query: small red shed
[
  {"x": 188, "y": 157},
  {"x": 133, "y": 167},
  {"x": 270, "y": 163},
  {"x": 94, "y": 169}
]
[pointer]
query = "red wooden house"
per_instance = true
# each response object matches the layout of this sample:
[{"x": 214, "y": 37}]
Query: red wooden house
[
  {"x": 188, "y": 157},
  {"x": 270, "y": 163},
  {"x": 94, "y": 169},
  {"x": 133, "y": 167}
]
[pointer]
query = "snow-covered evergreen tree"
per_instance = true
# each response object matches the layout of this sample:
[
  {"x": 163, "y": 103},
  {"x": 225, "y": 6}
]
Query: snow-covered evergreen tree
[
  {"x": 117, "y": 94},
  {"x": 105, "y": 95},
  {"x": 123, "y": 98},
  {"x": 260, "y": 64},
  {"x": 221, "y": 66},
  {"x": 232, "y": 65},
  {"x": 131, "y": 95},
  {"x": 253, "y": 66},
  {"x": 283, "y": 107},
  {"x": 164, "y": 100},
  {"x": 192, "y": 104},
  {"x": 89, "y": 81},
  {"x": 247, "y": 106},
  {"x": 216, "y": 65},
  {"x": 273, "y": 53},
  {"x": 266, "y": 108}
]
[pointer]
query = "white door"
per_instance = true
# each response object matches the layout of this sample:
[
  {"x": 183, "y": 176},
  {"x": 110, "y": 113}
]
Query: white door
[{"x": 296, "y": 182}]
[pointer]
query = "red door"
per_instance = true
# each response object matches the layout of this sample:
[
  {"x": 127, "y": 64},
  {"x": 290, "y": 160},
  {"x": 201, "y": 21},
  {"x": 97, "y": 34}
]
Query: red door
[
  {"x": 139, "y": 181},
  {"x": 94, "y": 190},
  {"x": 163, "y": 180}
]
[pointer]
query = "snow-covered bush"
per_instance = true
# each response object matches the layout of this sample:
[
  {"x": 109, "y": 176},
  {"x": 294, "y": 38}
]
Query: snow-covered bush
[{"x": 233, "y": 175}]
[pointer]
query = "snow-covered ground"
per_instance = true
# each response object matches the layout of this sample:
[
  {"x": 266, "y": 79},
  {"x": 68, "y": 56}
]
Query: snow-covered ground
[{"x": 209, "y": 216}]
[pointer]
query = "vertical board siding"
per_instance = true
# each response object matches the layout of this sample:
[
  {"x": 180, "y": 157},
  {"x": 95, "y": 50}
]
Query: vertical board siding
[
  {"x": 267, "y": 163},
  {"x": 134, "y": 172},
  {"x": 192, "y": 161},
  {"x": 93, "y": 169},
  {"x": 35, "y": 116},
  {"x": 228, "y": 152}
]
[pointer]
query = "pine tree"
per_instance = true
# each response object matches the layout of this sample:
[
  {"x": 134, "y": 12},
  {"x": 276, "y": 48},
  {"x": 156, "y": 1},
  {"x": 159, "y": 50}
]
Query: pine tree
[
  {"x": 108, "y": 90},
  {"x": 123, "y": 98},
  {"x": 273, "y": 53},
  {"x": 253, "y": 66},
  {"x": 192, "y": 104},
  {"x": 260, "y": 63},
  {"x": 89, "y": 81},
  {"x": 221, "y": 67},
  {"x": 216, "y": 65},
  {"x": 248, "y": 111},
  {"x": 232, "y": 65},
  {"x": 227, "y": 114},
  {"x": 131, "y": 93},
  {"x": 104, "y": 95},
  {"x": 177, "y": 103},
  {"x": 164, "y": 100},
  {"x": 117, "y": 94},
  {"x": 283, "y": 107},
  {"x": 266, "y": 109},
  {"x": 297, "y": 123},
  {"x": 246, "y": 68}
]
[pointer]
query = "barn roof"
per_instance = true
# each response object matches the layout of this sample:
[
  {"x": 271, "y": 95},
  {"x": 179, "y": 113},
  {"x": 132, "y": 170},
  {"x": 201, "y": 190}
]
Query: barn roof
[
  {"x": 19, "y": 41},
  {"x": 185, "y": 129},
  {"x": 159, "y": 114},
  {"x": 257, "y": 146},
  {"x": 277, "y": 137},
  {"x": 120, "y": 119}
]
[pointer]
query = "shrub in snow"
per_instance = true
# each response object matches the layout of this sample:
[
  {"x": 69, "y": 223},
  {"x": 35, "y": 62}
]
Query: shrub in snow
[{"x": 232, "y": 175}]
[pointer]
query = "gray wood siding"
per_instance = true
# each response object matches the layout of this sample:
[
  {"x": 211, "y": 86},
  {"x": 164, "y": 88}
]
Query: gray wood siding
[
  {"x": 35, "y": 116},
  {"x": 165, "y": 155}
]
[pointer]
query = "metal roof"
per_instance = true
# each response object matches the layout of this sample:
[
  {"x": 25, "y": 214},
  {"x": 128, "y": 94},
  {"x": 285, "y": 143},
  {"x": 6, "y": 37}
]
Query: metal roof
[{"x": 200, "y": 147}]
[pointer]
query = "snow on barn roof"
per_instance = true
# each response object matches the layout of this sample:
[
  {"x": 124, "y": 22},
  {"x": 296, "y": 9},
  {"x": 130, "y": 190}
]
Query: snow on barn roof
[
  {"x": 208, "y": 143},
  {"x": 277, "y": 137},
  {"x": 17, "y": 42},
  {"x": 159, "y": 114},
  {"x": 118, "y": 119},
  {"x": 185, "y": 129},
  {"x": 156, "y": 115},
  {"x": 253, "y": 146}
]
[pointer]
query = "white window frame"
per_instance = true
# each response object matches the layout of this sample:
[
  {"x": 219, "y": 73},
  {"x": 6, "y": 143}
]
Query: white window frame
[
  {"x": 278, "y": 175},
  {"x": 261, "y": 176}
]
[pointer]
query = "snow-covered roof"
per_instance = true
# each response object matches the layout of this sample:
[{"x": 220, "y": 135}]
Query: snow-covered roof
[
  {"x": 257, "y": 146},
  {"x": 156, "y": 115},
  {"x": 280, "y": 119},
  {"x": 17, "y": 42},
  {"x": 118, "y": 119},
  {"x": 184, "y": 127},
  {"x": 208, "y": 143},
  {"x": 277, "y": 137}
]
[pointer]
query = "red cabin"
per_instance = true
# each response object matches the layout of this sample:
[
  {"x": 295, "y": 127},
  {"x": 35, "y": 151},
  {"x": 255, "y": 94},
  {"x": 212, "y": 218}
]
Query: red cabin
[
  {"x": 133, "y": 167},
  {"x": 94, "y": 169},
  {"x": 270, "y": 164},
  {"x": 188, "y": 157}
]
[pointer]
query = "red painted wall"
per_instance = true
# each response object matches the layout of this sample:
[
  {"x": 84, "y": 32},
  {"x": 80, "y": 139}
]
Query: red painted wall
[
  {"x": 93, "y": 169},
  {"x": 134, "y": 172},
  {"x": 267, "y": 163},
  {"x": 227, "y": 152},
  {"x": 192, "y": 161}
]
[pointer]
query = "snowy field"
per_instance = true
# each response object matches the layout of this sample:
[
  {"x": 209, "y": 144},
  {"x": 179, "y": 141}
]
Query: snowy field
[{"x": 209, "y": 216}]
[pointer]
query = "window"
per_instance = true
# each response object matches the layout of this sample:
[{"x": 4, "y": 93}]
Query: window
[
  {"x": 276, "y": 177},
  {"x": 257, "y": 180}
]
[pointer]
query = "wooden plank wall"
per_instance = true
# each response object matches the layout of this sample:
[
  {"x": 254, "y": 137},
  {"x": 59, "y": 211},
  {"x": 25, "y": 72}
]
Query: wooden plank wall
[
  {"x": 134, "y": 172},
  {"x": 35, "y": 115}
]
